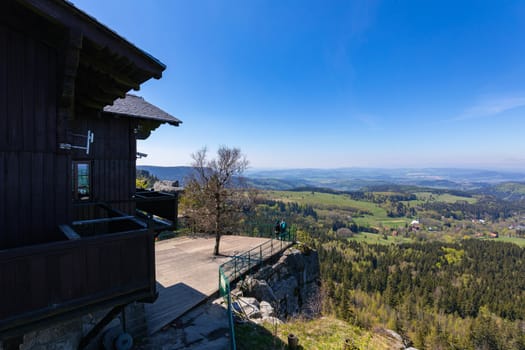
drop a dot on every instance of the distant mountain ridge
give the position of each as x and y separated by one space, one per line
171 173
353 179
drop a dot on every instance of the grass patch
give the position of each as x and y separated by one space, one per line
516 240
325 203
257 337
325 333
323 200
384 221
445 197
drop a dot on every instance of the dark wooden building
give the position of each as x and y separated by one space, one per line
70 241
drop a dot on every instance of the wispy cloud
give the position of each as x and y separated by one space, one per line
369 120
491 106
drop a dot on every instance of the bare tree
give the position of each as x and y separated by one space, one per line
213 194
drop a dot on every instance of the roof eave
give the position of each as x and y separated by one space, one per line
65 13
161 121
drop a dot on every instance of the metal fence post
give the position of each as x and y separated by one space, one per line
224 282
233 343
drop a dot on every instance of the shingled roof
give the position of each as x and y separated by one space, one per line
136 106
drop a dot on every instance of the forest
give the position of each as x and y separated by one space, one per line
445 286
466 295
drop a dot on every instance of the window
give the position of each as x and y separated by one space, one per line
81 180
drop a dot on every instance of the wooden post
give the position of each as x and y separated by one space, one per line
293 341
151 256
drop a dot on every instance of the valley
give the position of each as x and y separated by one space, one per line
442 267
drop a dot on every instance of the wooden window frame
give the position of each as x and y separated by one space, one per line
77 196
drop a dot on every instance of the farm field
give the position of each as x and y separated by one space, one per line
370 215
516 240
375 238
444 197
325 203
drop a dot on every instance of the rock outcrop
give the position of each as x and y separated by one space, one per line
288 288
167 186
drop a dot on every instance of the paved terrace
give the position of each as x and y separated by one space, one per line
187 274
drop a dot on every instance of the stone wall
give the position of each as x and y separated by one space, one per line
288 288
68 334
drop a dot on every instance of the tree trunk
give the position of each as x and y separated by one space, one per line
217 241
217 223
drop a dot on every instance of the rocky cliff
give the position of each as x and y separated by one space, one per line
288 288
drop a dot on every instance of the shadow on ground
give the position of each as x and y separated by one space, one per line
203 328
251 336
172 302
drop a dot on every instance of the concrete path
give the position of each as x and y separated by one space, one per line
187 274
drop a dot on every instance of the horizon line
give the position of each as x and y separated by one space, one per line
448 167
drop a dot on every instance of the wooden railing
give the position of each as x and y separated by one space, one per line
79 274
160 206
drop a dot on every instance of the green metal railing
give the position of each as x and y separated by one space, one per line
231 270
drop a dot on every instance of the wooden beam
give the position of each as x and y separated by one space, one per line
100 86
71 61
105 67
112 90
69 232
96 88
66 107
98 221
88 95
69 16
114 65
147 127
89 102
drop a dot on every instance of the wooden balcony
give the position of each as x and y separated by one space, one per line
99 264
161 207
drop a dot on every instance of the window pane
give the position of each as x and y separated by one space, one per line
83 180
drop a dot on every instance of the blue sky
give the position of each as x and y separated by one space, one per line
328 84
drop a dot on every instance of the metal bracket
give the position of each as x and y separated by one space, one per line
89 140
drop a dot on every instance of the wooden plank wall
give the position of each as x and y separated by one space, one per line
113 160
45 278
34 179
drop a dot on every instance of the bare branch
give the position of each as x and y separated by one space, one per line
213 199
